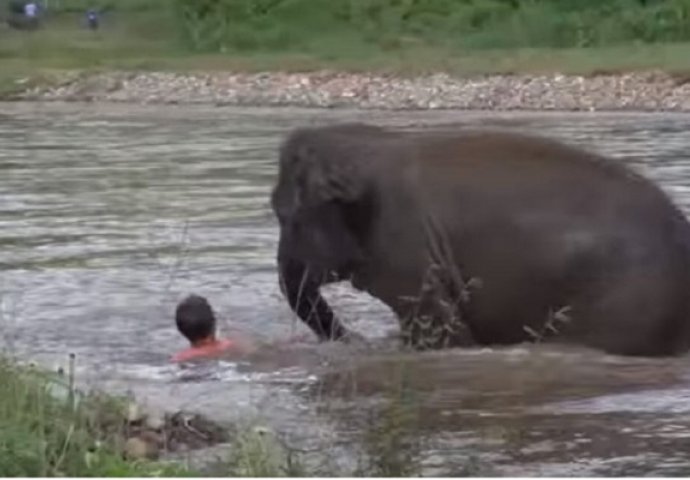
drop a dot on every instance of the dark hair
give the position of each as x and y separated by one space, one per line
195 319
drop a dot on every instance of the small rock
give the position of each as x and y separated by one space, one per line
137 449
153 438
155 420
262 431
134 413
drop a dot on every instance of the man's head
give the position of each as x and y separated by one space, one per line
195 319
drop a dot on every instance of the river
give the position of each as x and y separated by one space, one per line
109 214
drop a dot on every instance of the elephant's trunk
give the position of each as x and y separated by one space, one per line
301 287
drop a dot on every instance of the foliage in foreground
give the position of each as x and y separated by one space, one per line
46 431
47 428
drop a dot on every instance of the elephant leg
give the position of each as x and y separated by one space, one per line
301 288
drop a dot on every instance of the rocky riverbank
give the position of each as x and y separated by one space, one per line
642 91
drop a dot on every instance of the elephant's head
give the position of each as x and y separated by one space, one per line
325 201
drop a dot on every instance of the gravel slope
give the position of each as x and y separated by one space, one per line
644 91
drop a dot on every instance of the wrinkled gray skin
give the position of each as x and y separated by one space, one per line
482 238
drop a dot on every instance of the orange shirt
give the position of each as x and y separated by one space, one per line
210 349
213 348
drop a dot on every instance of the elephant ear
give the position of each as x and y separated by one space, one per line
328 174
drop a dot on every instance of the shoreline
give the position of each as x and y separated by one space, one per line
648 91
59 426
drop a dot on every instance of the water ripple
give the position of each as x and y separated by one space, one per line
109 214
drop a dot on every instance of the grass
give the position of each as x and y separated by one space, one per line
148 41
47 434
318 25
49 429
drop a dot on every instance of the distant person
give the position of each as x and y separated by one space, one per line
196 321
92 19
30 10
31 15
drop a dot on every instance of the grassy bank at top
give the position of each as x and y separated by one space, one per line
318 25
393 36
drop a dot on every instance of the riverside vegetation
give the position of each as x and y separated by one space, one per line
344 27
403 37
50 428
44 433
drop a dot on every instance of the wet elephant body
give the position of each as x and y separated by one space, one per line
482 237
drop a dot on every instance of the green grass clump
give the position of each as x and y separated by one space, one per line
44 432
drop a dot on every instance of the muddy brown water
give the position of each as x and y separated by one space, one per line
109 214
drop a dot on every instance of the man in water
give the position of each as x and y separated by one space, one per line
196 321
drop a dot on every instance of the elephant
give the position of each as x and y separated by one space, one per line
476 237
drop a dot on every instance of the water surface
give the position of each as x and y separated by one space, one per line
110 214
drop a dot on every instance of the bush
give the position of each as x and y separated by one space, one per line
44 431
213 25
